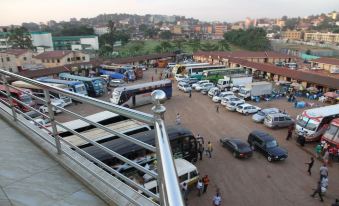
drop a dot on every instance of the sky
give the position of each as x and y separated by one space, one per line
18 11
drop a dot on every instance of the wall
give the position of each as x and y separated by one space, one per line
93 41
8 64
42 39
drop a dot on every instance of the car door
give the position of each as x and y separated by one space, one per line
230 146
282 122
288 121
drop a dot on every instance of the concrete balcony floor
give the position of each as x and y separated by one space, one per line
29 177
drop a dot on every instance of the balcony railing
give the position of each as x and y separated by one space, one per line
169 190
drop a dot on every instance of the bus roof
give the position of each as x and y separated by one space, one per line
147 84
97 117
97 134
3 88
322 111
206 66
80 78
57 81
225 69
183 166
122 146
22 84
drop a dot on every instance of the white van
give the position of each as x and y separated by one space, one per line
187 172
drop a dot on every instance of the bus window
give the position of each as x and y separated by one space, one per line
330 133
183 177
186 146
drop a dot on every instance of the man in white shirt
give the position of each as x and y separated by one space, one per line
217 200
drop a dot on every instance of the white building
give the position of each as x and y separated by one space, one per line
100 30
42 41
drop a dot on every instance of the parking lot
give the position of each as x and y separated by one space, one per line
253 181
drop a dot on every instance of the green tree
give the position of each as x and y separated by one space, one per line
136 47
223 45
165 35
151 32
252 39
194 44
179 43
164 46
19 38
208 46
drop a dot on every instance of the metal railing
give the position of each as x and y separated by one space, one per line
169 190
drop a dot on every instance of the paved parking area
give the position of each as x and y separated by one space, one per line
254 181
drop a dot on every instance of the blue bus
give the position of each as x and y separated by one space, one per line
112 74
140 94
74 86
126 70
95 86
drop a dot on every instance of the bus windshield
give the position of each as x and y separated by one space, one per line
307 123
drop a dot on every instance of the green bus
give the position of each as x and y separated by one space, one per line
215 74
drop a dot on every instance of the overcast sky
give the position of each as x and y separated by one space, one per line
18 11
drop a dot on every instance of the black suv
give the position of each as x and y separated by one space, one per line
267 145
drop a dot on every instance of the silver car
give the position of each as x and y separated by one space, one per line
260 116
278 120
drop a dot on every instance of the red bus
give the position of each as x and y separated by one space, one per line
17 94
331 136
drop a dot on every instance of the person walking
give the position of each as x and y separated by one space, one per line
184 189
323 171
318 191
318 150
209 149
310 165
217 108
217 199
289 132
201 150
178 119
152 78
206 181
200 187
190 93
326 157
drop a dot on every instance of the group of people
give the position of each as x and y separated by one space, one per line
201 147
326 152
322 184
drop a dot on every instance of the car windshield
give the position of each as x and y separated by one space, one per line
261 113
271 144
242 145
307 123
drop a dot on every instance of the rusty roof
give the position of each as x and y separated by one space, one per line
243 54
16 52
140 58
325 60
53 54
328 80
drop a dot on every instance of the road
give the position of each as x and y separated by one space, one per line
254 181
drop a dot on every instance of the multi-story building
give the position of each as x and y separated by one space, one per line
4 41
80 43
322 37
14 60
291 34
197 28
280 23
176 29
100 30
61 58
220 29
42 41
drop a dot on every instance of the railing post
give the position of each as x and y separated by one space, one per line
52 119
9 96
169 190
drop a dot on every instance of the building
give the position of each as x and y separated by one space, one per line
325 63
322 37
15 60
220 29
80 43
61 58
237 26
176 29
295 35
42 41
100 30
280 23
4 41
197 28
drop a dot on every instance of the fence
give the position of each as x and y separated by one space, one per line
169 190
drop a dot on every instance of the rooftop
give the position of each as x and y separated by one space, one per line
53 54
71 38
243 54
325 60
16 52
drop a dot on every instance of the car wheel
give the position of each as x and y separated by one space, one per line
269 158
234 154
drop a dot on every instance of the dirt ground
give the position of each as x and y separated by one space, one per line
248 182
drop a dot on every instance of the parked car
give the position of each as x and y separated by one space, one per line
201 86
232 106
213 91
239 148
230 98
267 145
206 87
179 77
217 98
278 120
260 116
189 80
247 109
237 88
184 87
199 83
117 83
55 102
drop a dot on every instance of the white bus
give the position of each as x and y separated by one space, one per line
312 123
128 127
179 68
38 91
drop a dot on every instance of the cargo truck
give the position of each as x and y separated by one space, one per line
234 80
256 89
